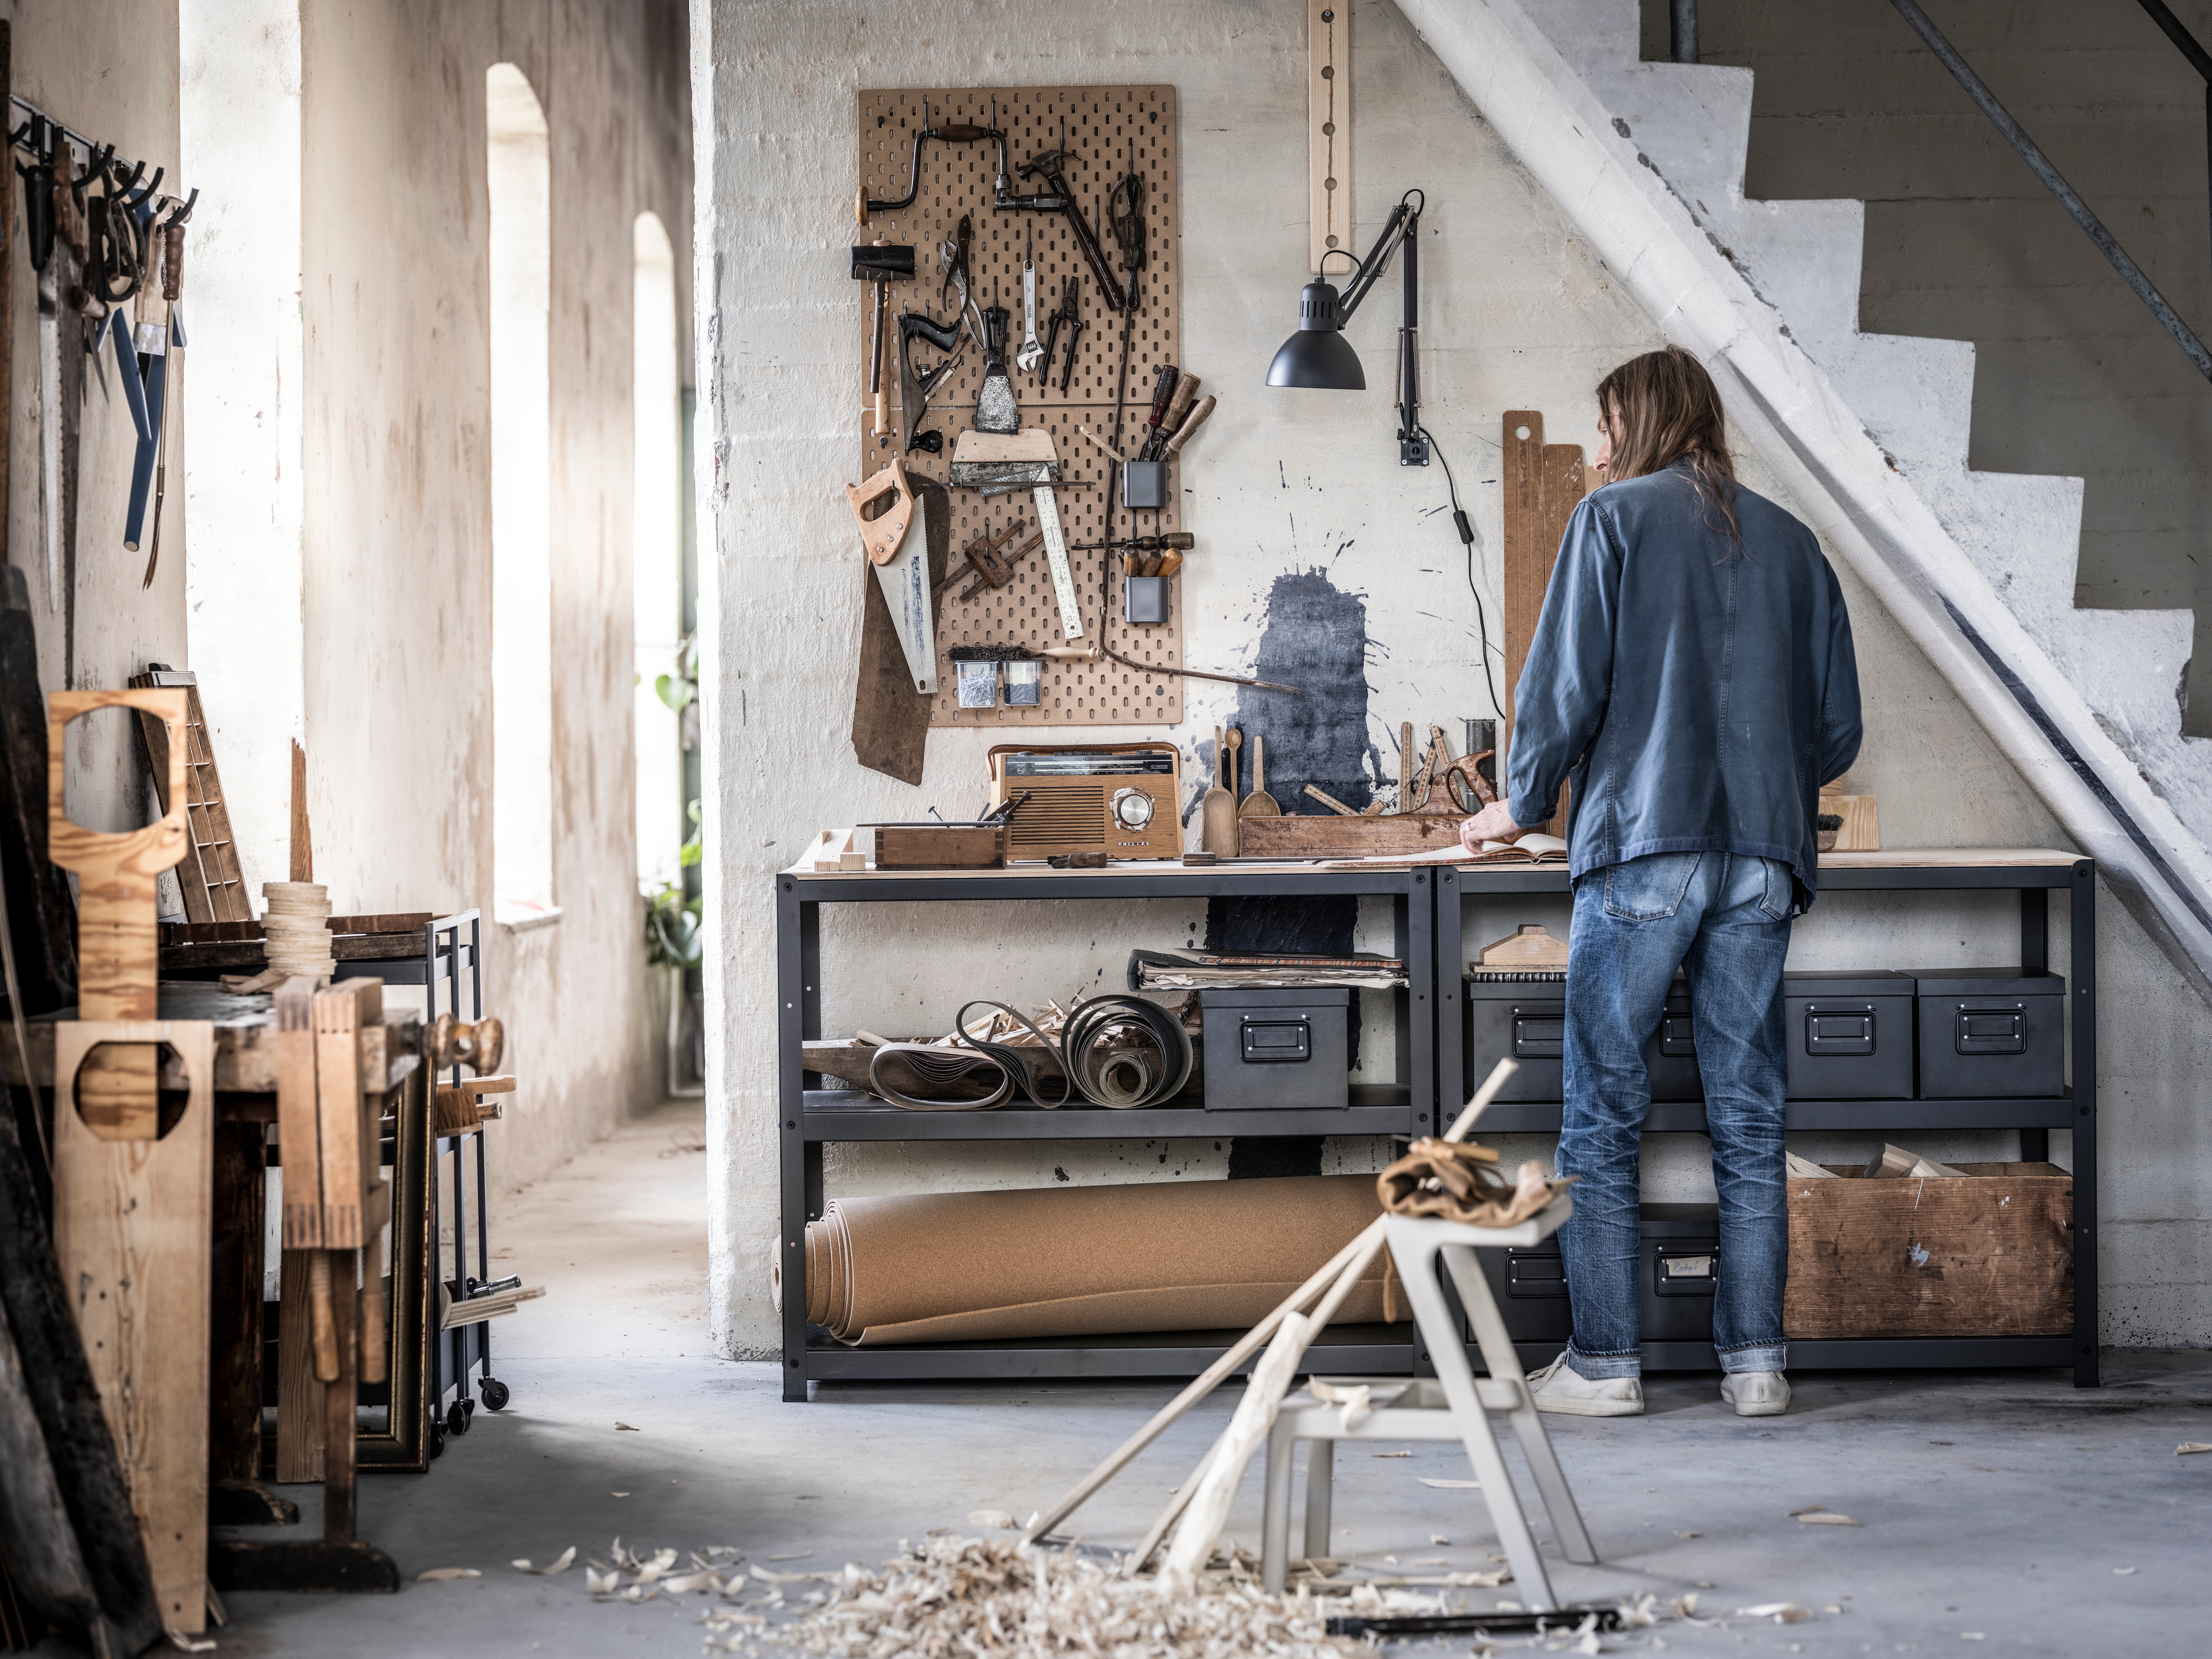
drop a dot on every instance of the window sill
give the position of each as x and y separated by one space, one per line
524 916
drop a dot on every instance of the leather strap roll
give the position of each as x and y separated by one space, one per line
1124 1077
1033 1067
922 1077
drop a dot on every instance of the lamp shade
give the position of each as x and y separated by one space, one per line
1318 356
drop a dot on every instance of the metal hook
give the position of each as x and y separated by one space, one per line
133 197
183 210
95 164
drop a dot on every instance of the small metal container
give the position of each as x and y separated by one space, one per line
1144 484
1145 599
978 684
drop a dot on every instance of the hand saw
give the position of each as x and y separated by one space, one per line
902 570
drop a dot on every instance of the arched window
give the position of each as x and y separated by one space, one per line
657 552
519 177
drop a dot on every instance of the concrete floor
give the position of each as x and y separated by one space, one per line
2047 1520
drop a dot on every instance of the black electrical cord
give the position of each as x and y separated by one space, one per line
1467 540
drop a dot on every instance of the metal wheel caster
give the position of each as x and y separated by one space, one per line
494 1392
456 1419
437 1438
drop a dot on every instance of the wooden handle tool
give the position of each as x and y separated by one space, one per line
1191 423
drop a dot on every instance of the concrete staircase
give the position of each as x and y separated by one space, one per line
1647 158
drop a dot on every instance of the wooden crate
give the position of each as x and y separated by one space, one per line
1989 1255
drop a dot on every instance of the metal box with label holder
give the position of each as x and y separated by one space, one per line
1987 1033
1524 1015
1278 1050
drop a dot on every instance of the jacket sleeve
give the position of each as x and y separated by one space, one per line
1840 727
1560 701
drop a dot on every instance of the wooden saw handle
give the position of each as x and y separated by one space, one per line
881 535
117 934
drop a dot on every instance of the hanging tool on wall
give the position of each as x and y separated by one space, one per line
1168 424
1031 352
1191 423
1163 385
159 327
1056 197
882 264
916 390
1067 317
996 409
901 569
172 292
960 132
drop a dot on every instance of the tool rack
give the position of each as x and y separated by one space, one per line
809 1117
2034 874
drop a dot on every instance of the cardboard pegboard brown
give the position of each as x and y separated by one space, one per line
1108 129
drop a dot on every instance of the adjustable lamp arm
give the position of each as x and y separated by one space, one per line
1401 226
1403 229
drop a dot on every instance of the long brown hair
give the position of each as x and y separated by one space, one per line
1669 411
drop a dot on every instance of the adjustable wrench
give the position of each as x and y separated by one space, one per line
1028 357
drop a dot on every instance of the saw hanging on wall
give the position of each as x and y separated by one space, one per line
901 571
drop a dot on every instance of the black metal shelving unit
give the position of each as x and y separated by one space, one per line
809 1118
2034 876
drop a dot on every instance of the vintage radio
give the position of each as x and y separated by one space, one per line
1124 799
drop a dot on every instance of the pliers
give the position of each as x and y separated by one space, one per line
955 264
1067 315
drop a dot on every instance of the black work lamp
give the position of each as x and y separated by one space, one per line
1319 356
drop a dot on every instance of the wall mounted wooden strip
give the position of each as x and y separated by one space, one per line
1543 484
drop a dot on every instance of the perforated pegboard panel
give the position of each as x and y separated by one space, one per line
1108 129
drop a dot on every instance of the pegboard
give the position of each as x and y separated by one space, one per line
1108 129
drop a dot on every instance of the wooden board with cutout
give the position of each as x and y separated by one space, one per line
131 1231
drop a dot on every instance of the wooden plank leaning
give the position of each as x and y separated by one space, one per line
1362 1247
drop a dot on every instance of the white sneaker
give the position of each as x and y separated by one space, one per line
1756 1394
1559 1388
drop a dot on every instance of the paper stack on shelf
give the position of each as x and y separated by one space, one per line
1180 970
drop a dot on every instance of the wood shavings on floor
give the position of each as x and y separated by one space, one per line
948 1597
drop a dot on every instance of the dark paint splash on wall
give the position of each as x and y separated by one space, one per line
1315 639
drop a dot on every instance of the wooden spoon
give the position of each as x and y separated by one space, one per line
1217 809
1237 763
1259 804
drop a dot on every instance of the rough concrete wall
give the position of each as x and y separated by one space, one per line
398 692
2073 375
1283 485
108 70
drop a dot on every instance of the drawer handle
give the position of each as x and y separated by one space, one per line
1833 1031
2001 1029
1538 1036
1277 1041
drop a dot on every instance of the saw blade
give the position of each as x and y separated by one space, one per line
1055 553
905 581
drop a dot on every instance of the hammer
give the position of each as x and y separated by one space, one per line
882 264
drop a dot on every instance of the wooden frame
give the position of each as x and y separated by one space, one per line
403 1444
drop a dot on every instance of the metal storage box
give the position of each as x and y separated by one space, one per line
1526 1017
1988 1032
1679 1270
1849 1034
1274 1050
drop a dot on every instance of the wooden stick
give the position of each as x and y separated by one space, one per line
1224 1472
1170 1515
1246 1346
1330 802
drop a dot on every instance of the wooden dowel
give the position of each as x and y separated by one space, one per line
1249 1343
1170 1515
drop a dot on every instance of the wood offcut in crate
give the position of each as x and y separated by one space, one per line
1107 129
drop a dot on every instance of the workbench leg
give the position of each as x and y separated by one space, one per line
2035 958
340 1419
236 1497
1417 1032
795 998
1450 995
2082 993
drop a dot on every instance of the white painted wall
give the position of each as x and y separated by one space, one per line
1518 313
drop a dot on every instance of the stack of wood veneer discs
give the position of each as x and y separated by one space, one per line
296 927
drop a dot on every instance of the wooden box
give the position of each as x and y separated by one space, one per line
1333 835
940 845
1991 1254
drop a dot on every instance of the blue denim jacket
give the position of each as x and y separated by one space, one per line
1696 694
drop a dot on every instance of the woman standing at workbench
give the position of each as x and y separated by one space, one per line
1693 674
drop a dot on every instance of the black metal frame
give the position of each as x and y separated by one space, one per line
445 954
2034 1118
807 1118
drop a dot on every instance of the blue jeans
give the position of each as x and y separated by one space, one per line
1724 918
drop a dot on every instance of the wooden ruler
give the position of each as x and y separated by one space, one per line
213 887
1544 483
1055 553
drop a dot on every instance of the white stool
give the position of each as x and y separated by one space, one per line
1454 1405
